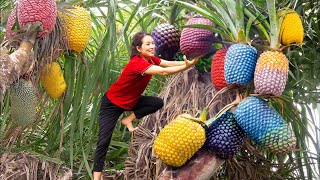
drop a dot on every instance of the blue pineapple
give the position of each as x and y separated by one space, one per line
264 125
240 64
225 137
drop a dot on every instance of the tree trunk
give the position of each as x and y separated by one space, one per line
14 65
202 166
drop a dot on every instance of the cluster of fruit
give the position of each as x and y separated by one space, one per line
234 66
77 24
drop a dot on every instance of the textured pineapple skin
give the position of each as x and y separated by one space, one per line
291 29
271 74
45 11
217 69
53 81
10 22
167 41
78 28
225 137
179 141
264 125
196 41
23 102
240 64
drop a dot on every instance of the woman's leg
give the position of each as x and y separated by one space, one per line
108 117
146 105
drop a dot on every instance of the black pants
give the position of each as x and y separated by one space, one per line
108 117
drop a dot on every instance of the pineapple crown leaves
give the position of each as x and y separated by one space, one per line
276 18
200 119
222 13
274 26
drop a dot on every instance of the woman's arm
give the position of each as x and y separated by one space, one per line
163 71
165 63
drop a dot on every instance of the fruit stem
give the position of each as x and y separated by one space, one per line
274 30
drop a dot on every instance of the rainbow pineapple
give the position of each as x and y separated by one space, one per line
264 125
271 72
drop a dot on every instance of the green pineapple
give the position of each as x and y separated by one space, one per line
23 102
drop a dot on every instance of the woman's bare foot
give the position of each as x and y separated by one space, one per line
127 121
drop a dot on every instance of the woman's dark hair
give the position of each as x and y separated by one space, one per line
137 41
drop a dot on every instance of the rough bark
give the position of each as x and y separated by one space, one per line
12 66
200 167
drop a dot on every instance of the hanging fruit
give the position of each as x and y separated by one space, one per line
53 81
23 102
31 11
217 69
195 41
179 140
240 64
271 73
167 41
225 137
78 27
264 125
291 28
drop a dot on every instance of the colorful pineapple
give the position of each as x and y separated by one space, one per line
217 69
53 81
271 73
30 11
23 102
167 41
225 137
240 64
291 28
78 28
264 125
10 22
179 140
196 41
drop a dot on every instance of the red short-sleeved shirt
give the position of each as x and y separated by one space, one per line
127 90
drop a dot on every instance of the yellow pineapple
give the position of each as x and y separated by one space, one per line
179 140
78 28
53 81
291 29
